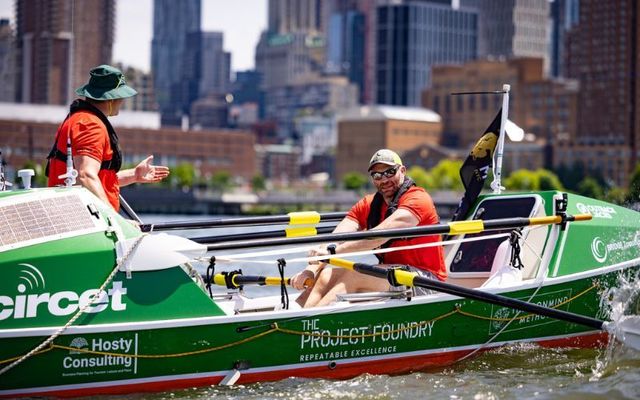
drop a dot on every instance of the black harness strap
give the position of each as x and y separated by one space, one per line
284 295
116 160
373 219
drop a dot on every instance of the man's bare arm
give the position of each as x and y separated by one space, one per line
88 169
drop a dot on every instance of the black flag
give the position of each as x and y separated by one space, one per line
475 168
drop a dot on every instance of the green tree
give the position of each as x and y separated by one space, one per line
420 176
39 180
591 188
616 195
446 175
354 180
522 179
221 181
183 175
633 194
540 179
258 183
570 176
548 180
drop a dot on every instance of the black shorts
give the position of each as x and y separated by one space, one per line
417 291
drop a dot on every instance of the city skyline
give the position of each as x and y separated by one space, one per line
134 20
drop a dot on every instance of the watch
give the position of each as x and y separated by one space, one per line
331 248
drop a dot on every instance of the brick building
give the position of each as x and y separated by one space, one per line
208 150
541 106
58 42
604 56
363 130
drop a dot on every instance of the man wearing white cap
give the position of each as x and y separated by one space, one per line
398 203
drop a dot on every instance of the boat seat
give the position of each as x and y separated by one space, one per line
503 274
374 296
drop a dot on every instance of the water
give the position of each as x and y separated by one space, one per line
511 372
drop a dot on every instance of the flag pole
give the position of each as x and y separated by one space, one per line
496 185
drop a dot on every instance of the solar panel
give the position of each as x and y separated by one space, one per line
36 219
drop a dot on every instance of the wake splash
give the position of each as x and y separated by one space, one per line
622 305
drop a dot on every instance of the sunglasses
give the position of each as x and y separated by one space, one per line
387 173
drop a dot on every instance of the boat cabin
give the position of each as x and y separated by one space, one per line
483 258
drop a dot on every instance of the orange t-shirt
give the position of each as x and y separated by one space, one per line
418 202
89 137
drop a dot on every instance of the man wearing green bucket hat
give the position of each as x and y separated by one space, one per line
94 143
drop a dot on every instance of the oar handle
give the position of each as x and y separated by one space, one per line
281 233
451 228
582 217
557 219
234 280
294 218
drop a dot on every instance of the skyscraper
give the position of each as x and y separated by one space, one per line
7 62
58 42
346 43
172 22
216 64
411 37
604 56
513 28
295 16
564 15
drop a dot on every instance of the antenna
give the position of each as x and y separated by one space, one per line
71 174
4 184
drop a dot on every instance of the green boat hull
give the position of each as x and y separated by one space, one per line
157 329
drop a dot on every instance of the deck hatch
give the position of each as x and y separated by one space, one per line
477 257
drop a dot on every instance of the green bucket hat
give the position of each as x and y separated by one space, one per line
106 83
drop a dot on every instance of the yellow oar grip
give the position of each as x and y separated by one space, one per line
218 279
342 263
554 219
460 227
303 218
272 280
300 231
404 277
583 217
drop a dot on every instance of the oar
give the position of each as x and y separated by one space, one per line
452 228
629 333
129 211
294 218
281 233
235 279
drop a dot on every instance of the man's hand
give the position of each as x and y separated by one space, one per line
302 279
318 251
145 172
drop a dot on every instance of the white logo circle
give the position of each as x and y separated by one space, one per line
599 250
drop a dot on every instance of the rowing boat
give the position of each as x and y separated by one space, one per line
90 304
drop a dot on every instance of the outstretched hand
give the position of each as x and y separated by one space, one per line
146 172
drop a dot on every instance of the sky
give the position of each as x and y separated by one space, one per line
240 20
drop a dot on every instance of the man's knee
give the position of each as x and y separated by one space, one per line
329 277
